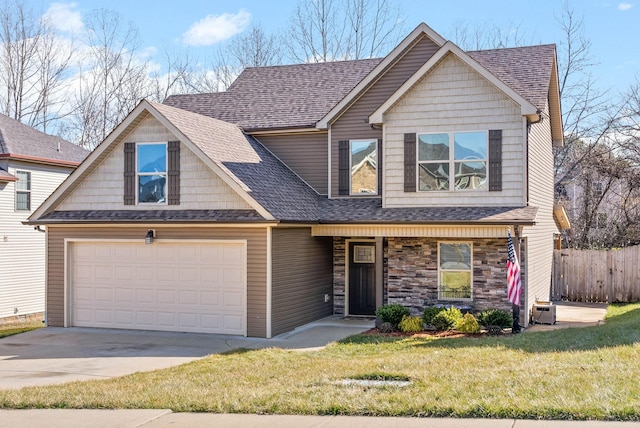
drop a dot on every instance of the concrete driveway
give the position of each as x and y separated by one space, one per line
54 355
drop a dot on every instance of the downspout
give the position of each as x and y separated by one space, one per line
527 130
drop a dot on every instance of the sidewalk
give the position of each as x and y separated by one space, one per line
165 418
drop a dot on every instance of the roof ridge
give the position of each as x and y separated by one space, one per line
511 48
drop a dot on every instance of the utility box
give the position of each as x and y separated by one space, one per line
543 313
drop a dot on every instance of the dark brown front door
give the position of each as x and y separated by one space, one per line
362 278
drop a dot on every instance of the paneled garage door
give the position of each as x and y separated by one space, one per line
191 287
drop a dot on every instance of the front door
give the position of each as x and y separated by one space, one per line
362 278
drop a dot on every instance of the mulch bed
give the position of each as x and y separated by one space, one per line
449 334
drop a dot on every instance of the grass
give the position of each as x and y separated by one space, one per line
586 373
19 327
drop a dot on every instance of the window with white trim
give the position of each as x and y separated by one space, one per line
151 172
363 155
455 271
458 155
23 191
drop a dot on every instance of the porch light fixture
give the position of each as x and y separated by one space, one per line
148 239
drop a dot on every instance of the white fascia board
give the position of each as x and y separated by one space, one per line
526 108
375 73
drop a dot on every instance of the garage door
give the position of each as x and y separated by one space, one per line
191 287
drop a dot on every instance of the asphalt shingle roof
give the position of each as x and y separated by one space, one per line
295 96
170 216
285 96
17 138
6 176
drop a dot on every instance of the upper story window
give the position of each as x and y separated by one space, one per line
364 167
23 191
454 271
452 161
151 171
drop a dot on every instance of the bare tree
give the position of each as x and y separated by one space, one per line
32 66
326 30
255 48
481 36
113 79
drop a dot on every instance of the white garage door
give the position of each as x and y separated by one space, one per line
191 287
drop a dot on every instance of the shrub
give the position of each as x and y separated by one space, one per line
410 324
386 327
497 317
430 312
392 313
447 319
468 324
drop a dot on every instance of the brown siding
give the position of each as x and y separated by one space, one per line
256 263
305 154
301 276
353 122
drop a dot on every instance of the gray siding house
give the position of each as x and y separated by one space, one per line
315 189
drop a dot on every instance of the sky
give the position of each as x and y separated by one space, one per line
612 27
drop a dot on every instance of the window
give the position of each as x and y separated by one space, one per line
23 191
364 167
151 170
454 270
461 154
364 254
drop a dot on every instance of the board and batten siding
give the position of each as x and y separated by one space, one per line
305 154
541 194
353 123
302 274
200 187
453 97
22 248
256 263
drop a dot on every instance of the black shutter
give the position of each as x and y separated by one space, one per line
129 173
173 173
379 165
343 168
409 162
495 160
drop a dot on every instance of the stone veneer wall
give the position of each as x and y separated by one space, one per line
339 282
413 273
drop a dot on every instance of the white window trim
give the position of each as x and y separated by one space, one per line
469 299
451 161
371 140
146 174
28 191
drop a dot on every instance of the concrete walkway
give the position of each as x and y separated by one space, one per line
165 418
574 315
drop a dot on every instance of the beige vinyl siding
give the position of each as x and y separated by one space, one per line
352 124
305 154
541 194
451 98
302 274
22 248
256 263
200 187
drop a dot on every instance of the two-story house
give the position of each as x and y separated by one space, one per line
32 165
315 189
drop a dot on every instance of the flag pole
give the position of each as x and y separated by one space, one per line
515 308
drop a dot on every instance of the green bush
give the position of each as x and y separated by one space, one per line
497 317
447 319
410 324
392 313
430 312
468 324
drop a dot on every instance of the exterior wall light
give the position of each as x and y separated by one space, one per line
148 239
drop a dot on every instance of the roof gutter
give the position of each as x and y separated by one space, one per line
34 159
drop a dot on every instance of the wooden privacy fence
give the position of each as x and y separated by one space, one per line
596 275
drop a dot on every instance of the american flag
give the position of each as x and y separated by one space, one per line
514 285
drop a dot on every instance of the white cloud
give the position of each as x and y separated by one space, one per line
63 17
216 28
624 6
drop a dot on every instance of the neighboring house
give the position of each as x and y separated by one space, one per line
260 208
32 165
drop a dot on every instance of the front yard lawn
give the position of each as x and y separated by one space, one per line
585 373
10 329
